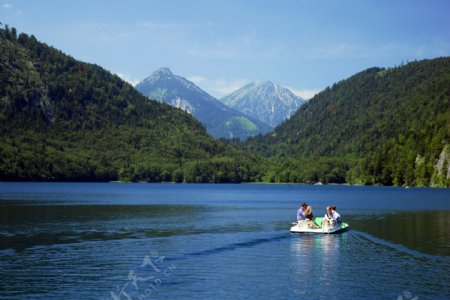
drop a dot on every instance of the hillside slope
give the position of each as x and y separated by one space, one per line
380 126
61 119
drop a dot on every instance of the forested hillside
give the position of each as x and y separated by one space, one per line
380 126
62 119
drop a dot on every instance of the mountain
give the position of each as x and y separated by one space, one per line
65 120
220 120
267 102
380 126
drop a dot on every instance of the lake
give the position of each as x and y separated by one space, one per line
183 241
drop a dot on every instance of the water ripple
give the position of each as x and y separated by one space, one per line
400 248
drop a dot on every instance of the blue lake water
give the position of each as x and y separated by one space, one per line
168 241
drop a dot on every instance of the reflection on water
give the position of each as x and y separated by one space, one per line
325 244
25 226
22 227
360 266
426 232
317 256
226 242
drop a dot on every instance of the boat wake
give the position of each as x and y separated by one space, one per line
399 248
235 246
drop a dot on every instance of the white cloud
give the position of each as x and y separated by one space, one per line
7 5
175 25
218 87
223 87
116 37
218 53
197 79
396 50
241 46
341 50
304 93
153 25
128 79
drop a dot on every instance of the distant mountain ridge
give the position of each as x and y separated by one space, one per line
220 120
166 91
266 101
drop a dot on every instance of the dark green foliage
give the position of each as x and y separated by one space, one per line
61 119
309 170
390 125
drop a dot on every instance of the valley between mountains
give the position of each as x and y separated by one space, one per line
65 120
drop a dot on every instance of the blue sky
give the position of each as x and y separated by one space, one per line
222 45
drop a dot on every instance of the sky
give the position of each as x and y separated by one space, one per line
221 45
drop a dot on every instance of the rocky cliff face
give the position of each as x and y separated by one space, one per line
441 175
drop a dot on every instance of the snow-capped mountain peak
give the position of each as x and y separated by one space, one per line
164 86
266 101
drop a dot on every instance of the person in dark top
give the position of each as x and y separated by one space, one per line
307 214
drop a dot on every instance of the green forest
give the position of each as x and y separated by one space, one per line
66 120
378 127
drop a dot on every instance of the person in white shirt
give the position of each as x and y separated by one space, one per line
332 217
336 215
328 220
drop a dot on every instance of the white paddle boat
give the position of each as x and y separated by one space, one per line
304 226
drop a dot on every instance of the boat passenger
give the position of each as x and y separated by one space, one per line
307 211
336 215
329 213
328 219
301 214
308 215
